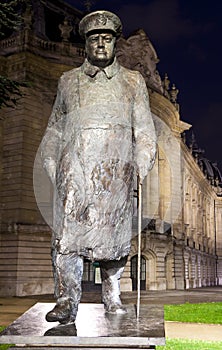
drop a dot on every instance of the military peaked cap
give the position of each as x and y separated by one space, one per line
100 20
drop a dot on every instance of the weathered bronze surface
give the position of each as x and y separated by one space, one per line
99 135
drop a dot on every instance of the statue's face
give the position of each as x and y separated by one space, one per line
100 49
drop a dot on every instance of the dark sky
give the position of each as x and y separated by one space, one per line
187 36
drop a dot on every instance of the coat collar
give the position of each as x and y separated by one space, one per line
110 70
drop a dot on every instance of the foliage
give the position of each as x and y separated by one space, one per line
4 346
182 344
10 90
196 313
9 18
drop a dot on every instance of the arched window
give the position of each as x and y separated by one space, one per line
134 263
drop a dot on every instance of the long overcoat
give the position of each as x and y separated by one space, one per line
100 132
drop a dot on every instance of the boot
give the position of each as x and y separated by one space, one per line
111 272
68 269
61 313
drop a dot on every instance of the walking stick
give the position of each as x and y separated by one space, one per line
139 245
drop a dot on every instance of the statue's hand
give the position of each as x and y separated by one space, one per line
144 165
50 166
142 173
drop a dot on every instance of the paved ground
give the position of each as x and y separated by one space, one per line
12 308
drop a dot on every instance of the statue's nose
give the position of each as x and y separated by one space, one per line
101 41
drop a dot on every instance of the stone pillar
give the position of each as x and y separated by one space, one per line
192 277
198 271
179 267
161 270
25 238
219 271
170 271
186 270
25 261
204 266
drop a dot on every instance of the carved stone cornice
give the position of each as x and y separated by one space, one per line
166 111
196 175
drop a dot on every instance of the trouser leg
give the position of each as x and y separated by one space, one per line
68 270
111 272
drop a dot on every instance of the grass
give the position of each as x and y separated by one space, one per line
4 346
182 344
195 313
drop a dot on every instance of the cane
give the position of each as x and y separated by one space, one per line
139 245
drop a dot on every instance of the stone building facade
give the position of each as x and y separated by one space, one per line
182 205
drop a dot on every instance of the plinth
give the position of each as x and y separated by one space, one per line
93 329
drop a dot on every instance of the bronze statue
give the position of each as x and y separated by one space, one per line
100 133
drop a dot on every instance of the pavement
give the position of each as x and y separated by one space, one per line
13 307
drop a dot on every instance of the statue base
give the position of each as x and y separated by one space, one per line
93 329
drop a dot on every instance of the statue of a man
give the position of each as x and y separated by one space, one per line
100 133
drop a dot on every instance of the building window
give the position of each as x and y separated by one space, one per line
91 276
88 271
134 263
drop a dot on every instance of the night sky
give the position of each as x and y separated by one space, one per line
187 36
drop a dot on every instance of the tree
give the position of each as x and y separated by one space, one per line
10 91
10 20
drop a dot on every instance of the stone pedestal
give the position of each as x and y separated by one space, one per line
93 329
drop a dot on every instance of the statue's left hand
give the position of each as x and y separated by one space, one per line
50 166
